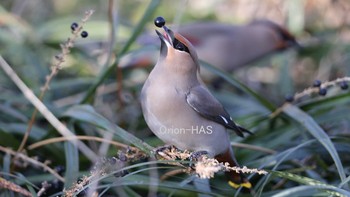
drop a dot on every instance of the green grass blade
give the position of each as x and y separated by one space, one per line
72 163
31 190
347 180
308 190
339 99
86 113
239 85
315 130
138 29
6 167
297 178
145 19
277 160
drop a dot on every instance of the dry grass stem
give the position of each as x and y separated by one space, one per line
79 137
103 167
253 147
314 90
204 167
44 187
308 92
172 173
65 50
32 161
207 167
78 186
56 66
48 115
14 187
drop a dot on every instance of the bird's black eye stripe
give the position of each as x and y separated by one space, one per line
180 46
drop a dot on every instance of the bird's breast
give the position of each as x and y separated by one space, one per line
173 121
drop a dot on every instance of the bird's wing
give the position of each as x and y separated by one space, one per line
204 103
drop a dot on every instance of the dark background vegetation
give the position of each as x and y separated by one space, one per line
307 143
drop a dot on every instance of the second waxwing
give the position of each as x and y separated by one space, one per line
230 47
225 46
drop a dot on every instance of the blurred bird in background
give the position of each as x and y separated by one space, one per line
228 47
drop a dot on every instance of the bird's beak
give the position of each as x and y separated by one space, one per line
166 39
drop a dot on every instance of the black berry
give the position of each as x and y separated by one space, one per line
317 83
74 26
84 34
289 98
159 21
322 91
344 85
59 169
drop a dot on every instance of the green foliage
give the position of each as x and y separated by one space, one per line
305 145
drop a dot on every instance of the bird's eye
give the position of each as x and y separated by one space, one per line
180 46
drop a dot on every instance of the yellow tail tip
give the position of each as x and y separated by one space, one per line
245 184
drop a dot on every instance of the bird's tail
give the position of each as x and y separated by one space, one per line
235 179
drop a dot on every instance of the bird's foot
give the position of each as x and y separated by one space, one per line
197 155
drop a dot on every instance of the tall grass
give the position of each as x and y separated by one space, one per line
303 144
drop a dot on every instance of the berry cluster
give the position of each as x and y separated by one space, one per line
321 91
74 26
320 88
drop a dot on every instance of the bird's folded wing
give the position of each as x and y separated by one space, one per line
204 103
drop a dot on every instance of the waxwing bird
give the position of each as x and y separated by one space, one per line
230 47
180 110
